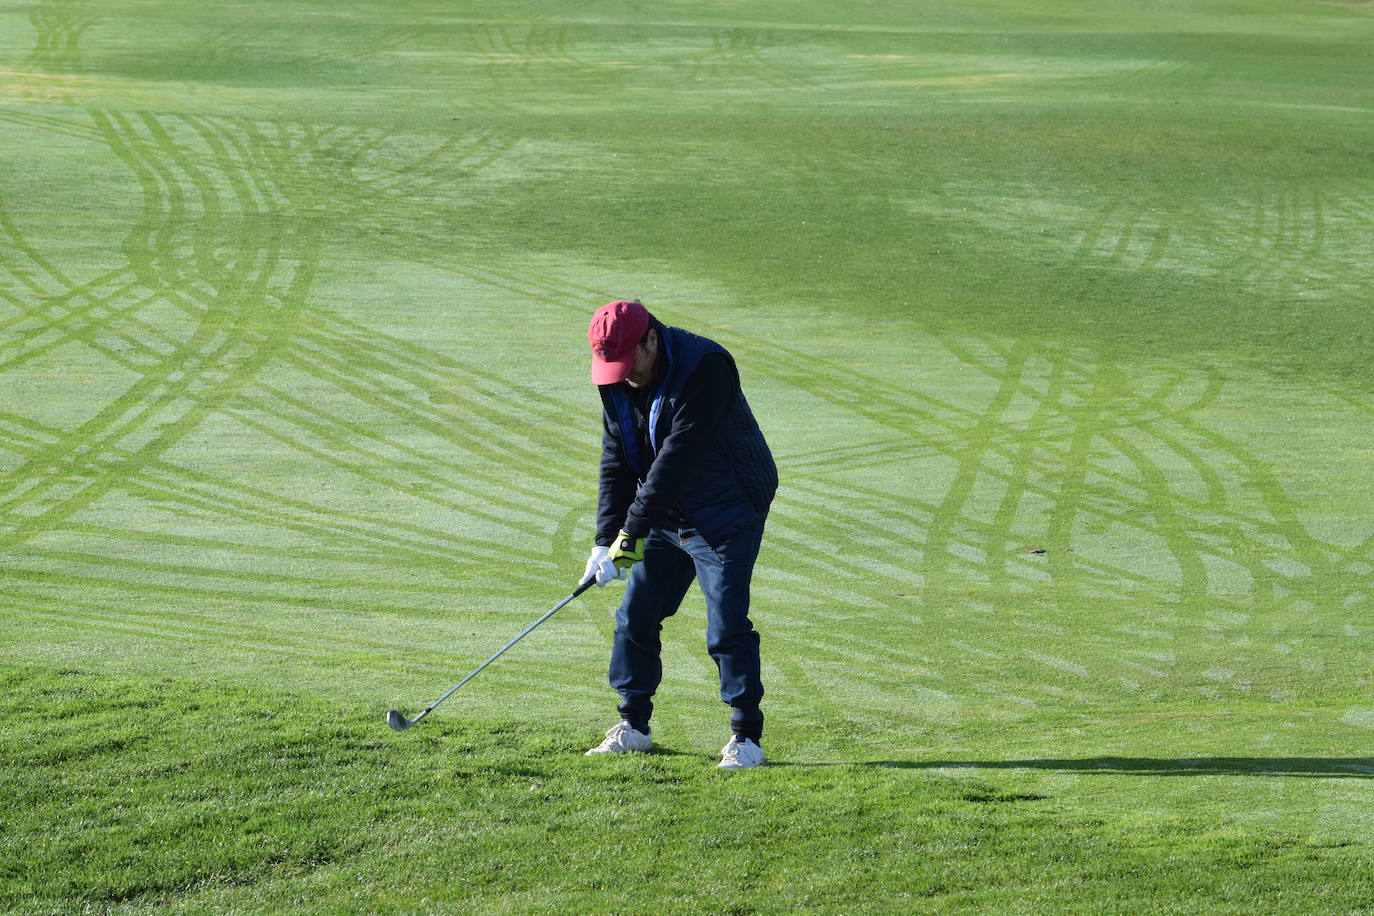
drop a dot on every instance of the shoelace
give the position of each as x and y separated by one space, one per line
732 753
615 738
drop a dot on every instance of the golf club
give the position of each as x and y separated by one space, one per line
401 723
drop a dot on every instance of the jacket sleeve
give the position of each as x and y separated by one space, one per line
706 398
618 484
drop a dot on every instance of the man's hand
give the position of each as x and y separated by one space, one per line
627 551
600 568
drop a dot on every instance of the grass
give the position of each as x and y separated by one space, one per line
1056 315
160 793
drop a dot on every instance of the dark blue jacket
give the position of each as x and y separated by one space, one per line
687 451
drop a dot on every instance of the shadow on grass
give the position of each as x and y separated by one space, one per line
1301 767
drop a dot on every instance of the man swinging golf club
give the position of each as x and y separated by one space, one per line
686 482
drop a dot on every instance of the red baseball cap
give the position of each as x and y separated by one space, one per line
614 333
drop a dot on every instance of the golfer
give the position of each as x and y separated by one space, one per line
686 482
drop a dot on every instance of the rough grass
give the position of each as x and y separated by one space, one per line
161 794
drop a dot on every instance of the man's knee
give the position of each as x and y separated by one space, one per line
732 640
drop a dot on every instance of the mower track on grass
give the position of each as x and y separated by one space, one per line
1061 452
949 519
183 322
1113 466
1281 236
179 381
60 26
223 202
1079 447
524 54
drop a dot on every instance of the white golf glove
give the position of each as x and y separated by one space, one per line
600 567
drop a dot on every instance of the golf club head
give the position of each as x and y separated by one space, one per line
398 721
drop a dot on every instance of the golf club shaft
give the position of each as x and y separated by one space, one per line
557 607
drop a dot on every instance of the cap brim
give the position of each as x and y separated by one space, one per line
611 371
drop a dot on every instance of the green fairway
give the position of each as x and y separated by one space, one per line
1057 316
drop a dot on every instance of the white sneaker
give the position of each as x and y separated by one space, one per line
622 738
740 754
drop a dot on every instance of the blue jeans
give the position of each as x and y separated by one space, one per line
657 584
